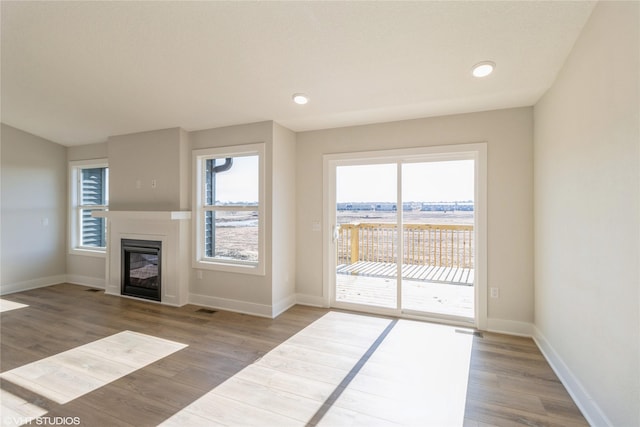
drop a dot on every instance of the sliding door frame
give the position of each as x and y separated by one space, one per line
473 151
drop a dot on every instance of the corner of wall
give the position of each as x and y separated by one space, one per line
510 327
228 304
92 282
311 300
185 170
283 305
589 407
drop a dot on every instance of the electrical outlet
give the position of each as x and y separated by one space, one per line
154 183
495 293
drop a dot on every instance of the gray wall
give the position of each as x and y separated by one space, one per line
587 197
509 137
34 211
136 160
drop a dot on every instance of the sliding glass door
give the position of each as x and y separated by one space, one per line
403 234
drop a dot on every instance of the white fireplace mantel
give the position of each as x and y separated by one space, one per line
172 228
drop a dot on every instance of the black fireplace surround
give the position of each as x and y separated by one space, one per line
141 273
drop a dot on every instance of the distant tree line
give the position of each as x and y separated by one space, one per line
408 206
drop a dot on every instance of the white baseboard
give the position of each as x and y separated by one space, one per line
93 282
283 305
311 300
585 402
262 310
510 327
10 288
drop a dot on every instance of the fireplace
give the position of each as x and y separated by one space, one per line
141 272
169 231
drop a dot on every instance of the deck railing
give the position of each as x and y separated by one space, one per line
424 244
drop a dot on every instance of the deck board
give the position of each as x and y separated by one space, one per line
428 273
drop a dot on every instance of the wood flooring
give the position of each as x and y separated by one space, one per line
309 366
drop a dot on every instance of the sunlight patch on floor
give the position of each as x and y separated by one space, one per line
73 373
418 376
343 370
16 411
6 305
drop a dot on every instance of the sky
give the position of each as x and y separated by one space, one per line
240 183
440 181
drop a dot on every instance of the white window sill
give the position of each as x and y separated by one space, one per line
97 253
230 267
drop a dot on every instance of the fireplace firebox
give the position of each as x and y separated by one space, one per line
141 272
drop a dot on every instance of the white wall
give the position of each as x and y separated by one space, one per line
587 231
508 134
34 211
284 218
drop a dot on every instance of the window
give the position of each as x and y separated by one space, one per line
229 194
89 192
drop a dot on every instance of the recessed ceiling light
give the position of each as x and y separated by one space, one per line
483 69
300 98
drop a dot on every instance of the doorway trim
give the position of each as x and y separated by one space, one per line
475 151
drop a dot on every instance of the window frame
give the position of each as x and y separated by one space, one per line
75 246
200 261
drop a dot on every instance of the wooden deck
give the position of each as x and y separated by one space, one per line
427 297
427 273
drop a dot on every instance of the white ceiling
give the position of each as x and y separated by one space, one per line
78 72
